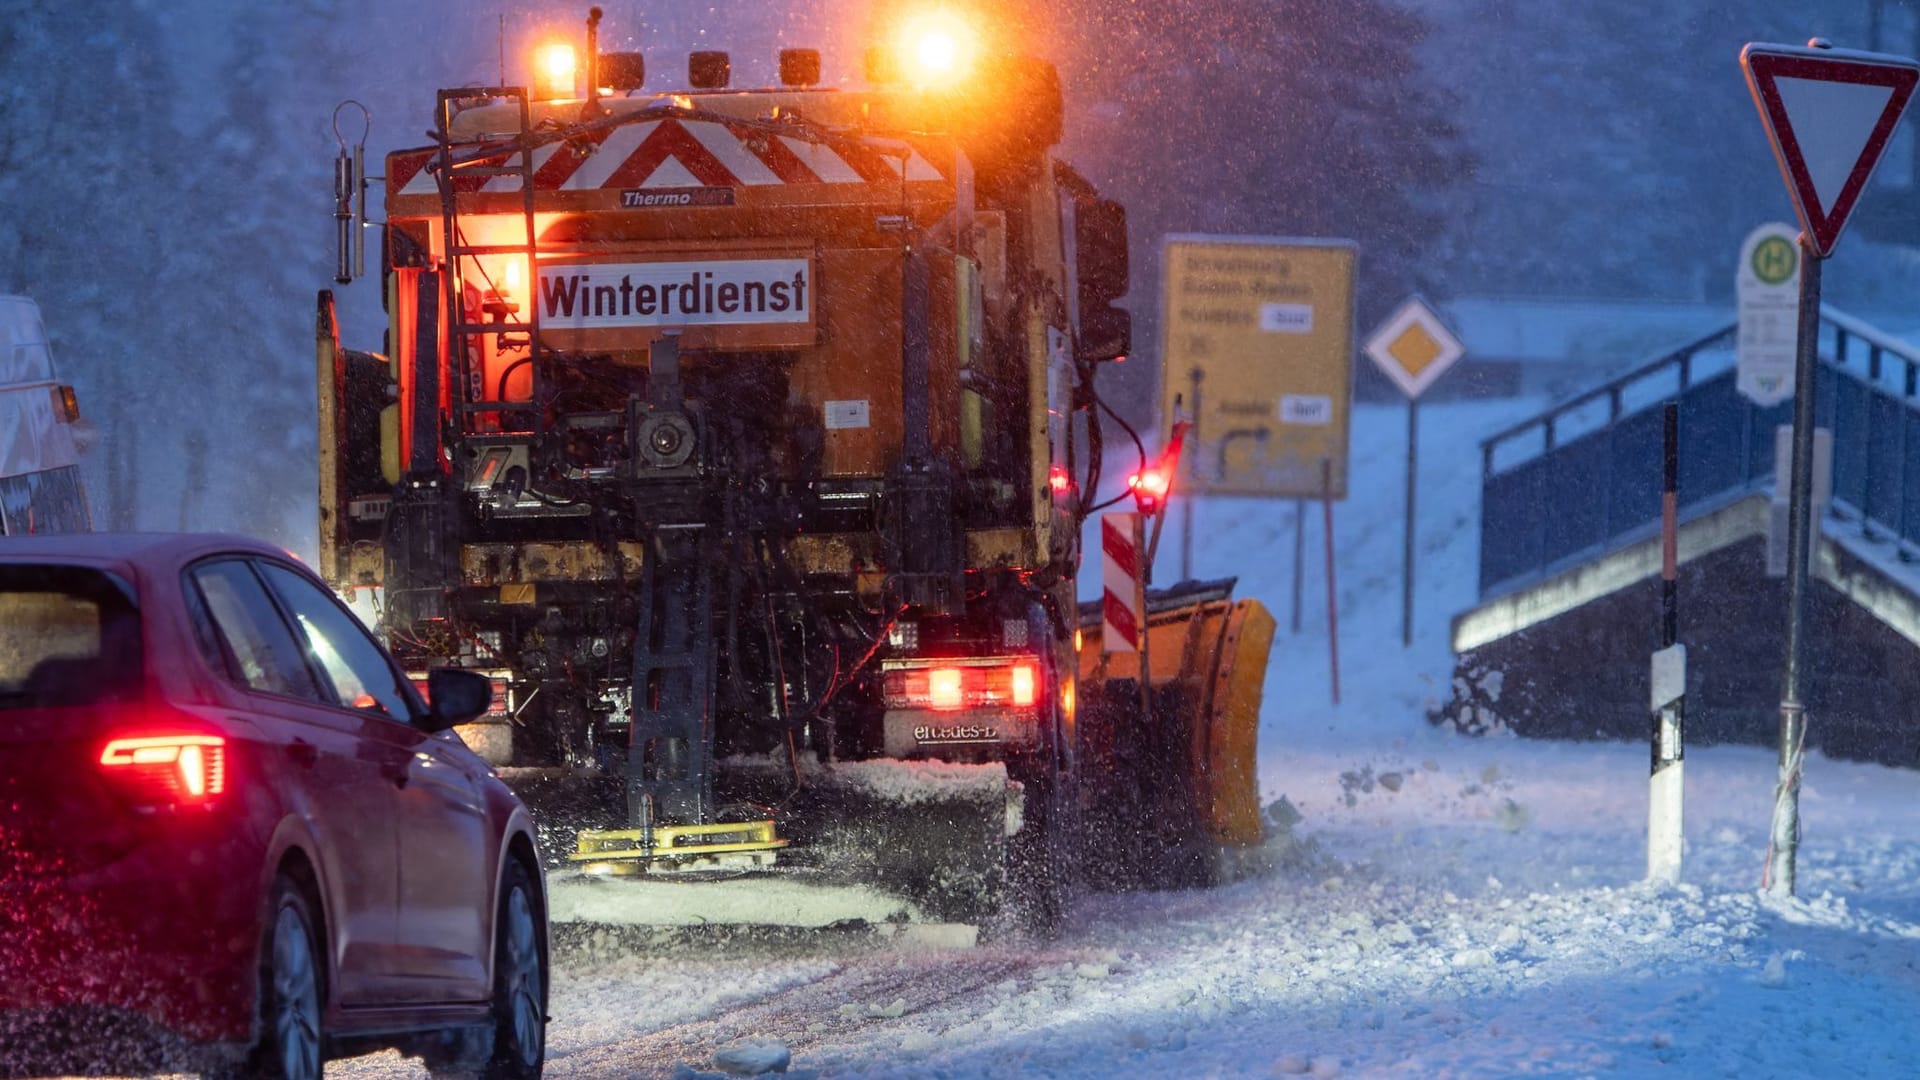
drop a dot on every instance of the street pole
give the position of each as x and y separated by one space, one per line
1299 556
1666 780
1186 505
1784 837
1142 571
1406 574
1333 602
1186 540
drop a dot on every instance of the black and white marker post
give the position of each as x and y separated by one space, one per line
1665 802
1829 114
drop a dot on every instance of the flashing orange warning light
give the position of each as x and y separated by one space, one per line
937 48
513 282
554 68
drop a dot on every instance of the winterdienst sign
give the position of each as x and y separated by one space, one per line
717 293
1829 114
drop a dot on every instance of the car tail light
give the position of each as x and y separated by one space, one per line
168 770
968 685
66 405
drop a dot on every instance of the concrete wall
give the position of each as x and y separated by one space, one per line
1582 674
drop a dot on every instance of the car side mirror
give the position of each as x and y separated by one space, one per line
455 697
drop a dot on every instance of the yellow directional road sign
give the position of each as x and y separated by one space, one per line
1260 331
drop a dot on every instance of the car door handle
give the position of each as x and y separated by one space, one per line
303 753
399 774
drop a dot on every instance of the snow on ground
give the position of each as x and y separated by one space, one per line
1449 907
742 900
1440 905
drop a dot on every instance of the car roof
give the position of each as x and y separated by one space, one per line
150 551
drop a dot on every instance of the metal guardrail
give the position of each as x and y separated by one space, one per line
1584 476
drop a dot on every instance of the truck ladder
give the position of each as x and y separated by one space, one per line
462 258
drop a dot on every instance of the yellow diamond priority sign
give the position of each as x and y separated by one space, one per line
1413 347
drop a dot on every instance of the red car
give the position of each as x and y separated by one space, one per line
233 838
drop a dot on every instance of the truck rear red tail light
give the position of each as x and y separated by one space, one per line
1023 684
168 770
501 705
945 688
968 685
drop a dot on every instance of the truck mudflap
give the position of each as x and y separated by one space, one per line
1170 795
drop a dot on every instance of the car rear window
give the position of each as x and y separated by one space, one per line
68 636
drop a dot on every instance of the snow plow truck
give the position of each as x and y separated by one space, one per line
744 438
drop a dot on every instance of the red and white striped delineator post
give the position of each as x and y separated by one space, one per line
1123 603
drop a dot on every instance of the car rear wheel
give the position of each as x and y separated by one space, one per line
288 1045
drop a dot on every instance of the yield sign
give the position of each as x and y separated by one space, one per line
1829 114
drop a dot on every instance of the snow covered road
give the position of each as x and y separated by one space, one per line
1447 907
1444 906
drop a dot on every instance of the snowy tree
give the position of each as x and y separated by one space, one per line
1620 152
173 239
1245 116
266 183
91 185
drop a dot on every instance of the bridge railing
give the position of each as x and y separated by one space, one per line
1584 476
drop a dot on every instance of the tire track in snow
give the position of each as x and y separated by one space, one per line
834 1010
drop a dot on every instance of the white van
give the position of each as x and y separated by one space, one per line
40 489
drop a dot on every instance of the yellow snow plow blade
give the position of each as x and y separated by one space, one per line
1185 774
677 847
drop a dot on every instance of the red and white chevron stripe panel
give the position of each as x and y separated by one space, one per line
673 153
1123 615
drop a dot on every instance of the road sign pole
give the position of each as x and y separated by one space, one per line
1412 348
1784 837
1143 567
1186 539
1299 556
1413 469
1186 505
1333 595
1829 116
